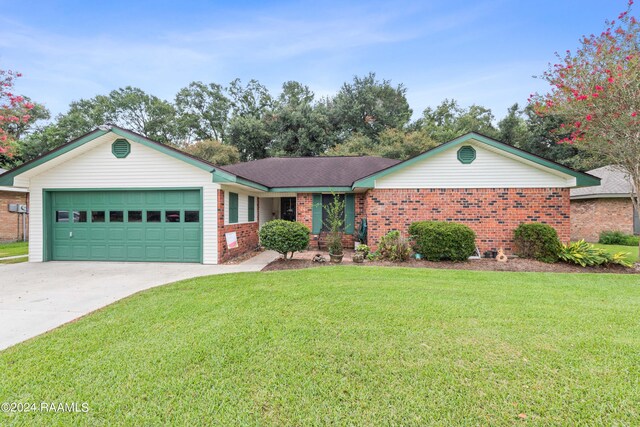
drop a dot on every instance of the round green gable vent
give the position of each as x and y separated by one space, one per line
466 154
121 148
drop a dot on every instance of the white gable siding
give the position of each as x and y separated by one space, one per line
243 206
490 169
144 167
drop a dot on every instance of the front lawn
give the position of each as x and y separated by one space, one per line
13 249
632 250
345 345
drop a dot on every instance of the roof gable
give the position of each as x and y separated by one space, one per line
582 179
8 177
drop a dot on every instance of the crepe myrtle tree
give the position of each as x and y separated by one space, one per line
14 110
596 90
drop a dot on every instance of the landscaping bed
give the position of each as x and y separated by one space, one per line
303 260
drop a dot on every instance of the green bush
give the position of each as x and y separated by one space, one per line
393 247
585 254
618 238
537 241
364 249
436 240
284 236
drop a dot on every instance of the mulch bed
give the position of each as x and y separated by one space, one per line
239 259
516 264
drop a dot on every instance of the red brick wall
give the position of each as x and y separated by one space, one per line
246 233
11 222
591 216
304 215
492 213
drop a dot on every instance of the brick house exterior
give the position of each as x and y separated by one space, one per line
11 222
186 205
607 207
590 217
493 213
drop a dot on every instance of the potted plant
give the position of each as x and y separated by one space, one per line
335 224
361 252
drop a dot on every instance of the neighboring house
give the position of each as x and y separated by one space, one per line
12 224
604 208
115 195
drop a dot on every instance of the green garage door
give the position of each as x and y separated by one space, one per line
137 225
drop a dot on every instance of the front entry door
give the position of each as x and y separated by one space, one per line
288 208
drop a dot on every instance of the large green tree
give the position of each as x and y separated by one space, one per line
299 126
368 106
214 151
392 143
203 111
449 120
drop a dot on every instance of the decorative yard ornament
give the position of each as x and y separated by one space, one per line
501 257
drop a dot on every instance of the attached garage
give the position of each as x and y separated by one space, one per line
114 195
124 225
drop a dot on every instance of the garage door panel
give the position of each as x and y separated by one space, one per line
173 235
173 253
97 234
192 235
79 251
116 234
135 234
137 240
191 252
80 233
98 252
154 234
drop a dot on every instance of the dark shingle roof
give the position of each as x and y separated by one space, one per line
309 171
614 181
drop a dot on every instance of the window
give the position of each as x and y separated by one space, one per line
97 216
319 212
79 216
172 216
327 199
191 216
62 216
134 216
233 208
116 216
154 216
252 209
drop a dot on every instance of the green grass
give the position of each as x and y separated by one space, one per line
632 250
13 249
345 345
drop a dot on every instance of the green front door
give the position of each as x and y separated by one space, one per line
122 225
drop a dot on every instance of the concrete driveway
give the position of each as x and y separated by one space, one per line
37 297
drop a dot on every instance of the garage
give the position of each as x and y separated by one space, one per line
124 225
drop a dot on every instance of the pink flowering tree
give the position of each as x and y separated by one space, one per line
596 91
14 110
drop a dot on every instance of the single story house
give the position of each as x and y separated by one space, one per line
115 195
607 207
13 224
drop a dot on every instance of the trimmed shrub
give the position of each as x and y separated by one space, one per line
537 241
437 240
284 236
393 247
618 238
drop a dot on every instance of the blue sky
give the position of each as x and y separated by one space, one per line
482 52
